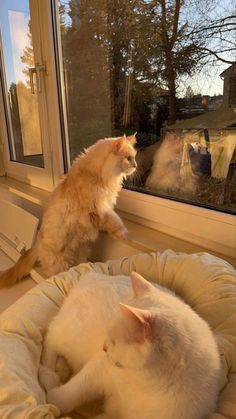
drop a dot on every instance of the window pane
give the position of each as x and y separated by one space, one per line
145 66
22 105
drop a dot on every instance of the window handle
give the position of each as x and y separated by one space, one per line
37 71
32 70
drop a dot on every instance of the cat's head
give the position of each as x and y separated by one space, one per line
124 153
130 337
154 330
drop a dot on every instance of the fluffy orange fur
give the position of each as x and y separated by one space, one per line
80 206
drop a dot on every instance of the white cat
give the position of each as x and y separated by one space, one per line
159 358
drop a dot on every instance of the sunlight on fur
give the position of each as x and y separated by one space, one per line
135 345
80 206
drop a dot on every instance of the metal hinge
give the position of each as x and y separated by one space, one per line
16 243
37 70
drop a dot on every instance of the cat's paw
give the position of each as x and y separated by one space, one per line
63 370
48 378
55 396
122 234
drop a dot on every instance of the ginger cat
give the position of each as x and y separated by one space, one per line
80 206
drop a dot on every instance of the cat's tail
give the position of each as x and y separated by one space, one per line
20 270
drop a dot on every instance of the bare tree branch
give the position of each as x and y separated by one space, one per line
175 23
217 56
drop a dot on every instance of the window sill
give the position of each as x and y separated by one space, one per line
147 234
209 230
24 191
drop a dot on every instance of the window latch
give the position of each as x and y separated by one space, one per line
37 70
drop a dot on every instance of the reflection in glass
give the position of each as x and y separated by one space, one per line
18 57
117 79
196 166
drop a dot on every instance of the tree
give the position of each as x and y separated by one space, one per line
122 55
189 92
28 56
188 41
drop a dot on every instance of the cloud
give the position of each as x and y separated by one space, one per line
18 23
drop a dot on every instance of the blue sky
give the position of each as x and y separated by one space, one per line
206 82
14 18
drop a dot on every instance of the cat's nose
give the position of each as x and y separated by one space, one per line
105 346
135 164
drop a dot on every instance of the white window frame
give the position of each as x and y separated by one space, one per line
211 230
47 177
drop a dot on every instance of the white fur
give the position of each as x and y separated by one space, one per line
160 359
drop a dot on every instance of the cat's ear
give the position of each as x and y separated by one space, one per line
118 144
132 139
139 284
141 321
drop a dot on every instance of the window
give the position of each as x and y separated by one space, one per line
28 122
148 67
74 71
25 144
232 90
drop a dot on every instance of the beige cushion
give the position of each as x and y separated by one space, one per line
207 283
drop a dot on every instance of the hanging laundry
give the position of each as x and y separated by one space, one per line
222 148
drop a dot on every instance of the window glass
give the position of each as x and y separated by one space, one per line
163 69
18 78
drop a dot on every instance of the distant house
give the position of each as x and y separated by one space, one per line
225 115
230 76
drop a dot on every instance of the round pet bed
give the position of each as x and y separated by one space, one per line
205 282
